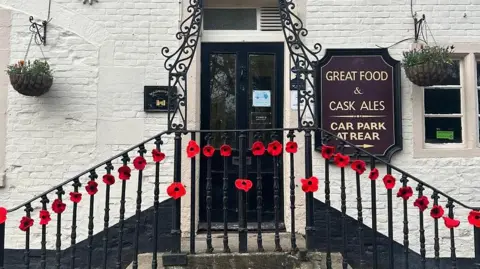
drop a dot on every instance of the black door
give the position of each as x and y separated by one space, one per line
242 88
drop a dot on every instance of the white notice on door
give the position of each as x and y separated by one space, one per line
261 99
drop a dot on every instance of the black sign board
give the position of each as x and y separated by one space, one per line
156 98
358 100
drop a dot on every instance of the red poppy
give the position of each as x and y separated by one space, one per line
124 172
309 184
91 187
373 174
108 179
421 203
451 223
44 217
474 218
405 192
176 190
75 197
208 151
25 223
258 149
243 184
291 147
389 181
157 155
437 212
58 206
327 151
341 160
274 148
359 166
225 150
139 163
3 215
192 149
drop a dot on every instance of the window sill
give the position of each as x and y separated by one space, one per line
460 151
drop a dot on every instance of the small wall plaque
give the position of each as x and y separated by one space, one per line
156 98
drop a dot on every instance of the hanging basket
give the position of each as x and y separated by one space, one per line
31 85
427 74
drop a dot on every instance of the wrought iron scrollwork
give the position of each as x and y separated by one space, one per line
178 64
303 60
40 31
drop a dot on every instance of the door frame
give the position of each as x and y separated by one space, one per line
240 47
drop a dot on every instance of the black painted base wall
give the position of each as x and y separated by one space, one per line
382 244
14 258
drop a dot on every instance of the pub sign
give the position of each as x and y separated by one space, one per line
358 100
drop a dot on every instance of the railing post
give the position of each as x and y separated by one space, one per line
242 207
476 234
310 221
2 245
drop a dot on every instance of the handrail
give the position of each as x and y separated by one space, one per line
358 149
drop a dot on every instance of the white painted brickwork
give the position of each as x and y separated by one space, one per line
104 54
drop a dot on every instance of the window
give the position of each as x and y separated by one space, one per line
442 106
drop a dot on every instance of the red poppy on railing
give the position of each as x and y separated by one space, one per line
437 211
108 179
91 187
373 174
44 217
25 223
309 184
208 151
274 148
327 151
176 190
3 215
421 203
389 181
139 163
124 172
157 155
192 149
58 206
474 218
405 192
359 166
75 197
291 147
258 149
451 223
225 150
243 184
341 160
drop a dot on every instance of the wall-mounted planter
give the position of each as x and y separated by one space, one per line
31 85
427 74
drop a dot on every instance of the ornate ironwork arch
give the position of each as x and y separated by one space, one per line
178 63
303 61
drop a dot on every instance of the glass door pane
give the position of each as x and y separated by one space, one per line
222 95
261 93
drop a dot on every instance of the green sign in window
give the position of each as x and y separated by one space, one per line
448 135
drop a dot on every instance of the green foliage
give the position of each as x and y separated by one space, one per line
36 68
428 54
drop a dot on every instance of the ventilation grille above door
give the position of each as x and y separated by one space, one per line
270 19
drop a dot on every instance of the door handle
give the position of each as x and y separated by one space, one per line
243 77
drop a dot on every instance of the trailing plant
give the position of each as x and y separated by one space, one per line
428 54
27 68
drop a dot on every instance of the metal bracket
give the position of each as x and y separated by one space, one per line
40 31
89 1
418 26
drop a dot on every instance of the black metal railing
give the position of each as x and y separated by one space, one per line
252 155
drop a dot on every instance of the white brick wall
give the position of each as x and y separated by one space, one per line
103 55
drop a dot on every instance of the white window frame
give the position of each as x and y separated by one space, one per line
470 146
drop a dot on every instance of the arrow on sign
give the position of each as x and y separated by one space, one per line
365 146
